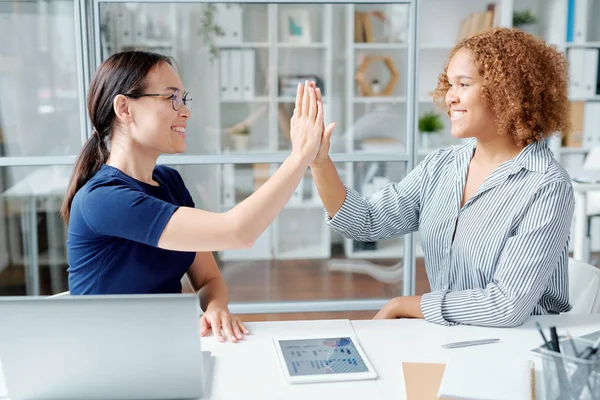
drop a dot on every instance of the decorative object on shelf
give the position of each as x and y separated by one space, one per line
240 132
477 22
363 30
365 88
396 23
289 83
377 131
375 86
240 137
525 20
295 26
429 123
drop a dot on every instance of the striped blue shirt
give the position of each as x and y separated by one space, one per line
509 255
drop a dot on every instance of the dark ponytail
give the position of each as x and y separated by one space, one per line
121 73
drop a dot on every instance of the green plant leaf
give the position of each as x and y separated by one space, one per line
430 122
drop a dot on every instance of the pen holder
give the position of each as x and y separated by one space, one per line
568 377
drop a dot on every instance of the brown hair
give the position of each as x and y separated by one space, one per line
121 73
525 83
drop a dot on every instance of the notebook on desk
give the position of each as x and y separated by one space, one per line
483 377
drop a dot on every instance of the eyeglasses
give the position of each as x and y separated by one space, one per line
177 98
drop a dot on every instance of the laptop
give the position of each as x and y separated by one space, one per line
101 347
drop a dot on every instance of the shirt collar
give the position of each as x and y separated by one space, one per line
535 157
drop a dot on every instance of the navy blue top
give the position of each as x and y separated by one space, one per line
114 228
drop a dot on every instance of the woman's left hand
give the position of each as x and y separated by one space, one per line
401 307
223 324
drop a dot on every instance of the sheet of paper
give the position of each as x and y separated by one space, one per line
475 376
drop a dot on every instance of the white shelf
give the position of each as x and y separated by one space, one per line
379 99
246 45
572 45
380 46
257 99
589 98
436 46
316 45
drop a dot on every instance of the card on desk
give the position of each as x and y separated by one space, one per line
422 380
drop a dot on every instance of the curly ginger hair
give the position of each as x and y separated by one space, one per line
525 83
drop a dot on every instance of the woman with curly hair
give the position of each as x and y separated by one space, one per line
494 214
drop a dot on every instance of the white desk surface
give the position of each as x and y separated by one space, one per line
250 369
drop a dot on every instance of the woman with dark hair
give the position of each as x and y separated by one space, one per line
132 225
494 214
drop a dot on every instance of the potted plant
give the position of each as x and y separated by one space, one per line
429 123
240 137
524 20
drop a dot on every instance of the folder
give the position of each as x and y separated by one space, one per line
235 74
248 72
224 62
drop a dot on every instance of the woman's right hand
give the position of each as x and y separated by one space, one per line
307 123
323 154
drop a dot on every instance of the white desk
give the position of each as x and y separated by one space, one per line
236 376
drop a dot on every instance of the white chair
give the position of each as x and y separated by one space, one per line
584 287
592 162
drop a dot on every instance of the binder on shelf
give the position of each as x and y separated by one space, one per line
591 124
577 72
229 18
581 21
225 84
570 20
235 74
228 185
248 71
590 72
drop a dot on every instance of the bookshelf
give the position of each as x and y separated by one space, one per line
333 52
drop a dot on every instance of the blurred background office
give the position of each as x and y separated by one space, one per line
376 64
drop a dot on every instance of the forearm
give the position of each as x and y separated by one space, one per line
214 293
483 307
253 215
329 185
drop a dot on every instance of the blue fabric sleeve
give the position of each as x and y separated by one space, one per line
122 211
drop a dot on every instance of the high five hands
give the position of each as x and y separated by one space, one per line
310 138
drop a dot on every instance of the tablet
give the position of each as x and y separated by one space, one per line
323 360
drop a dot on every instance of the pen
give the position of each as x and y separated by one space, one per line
469 343
575 353
554 338
543 336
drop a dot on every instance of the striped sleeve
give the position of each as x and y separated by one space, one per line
525 267
392 211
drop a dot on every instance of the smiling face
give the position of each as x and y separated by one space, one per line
155 124
469 115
